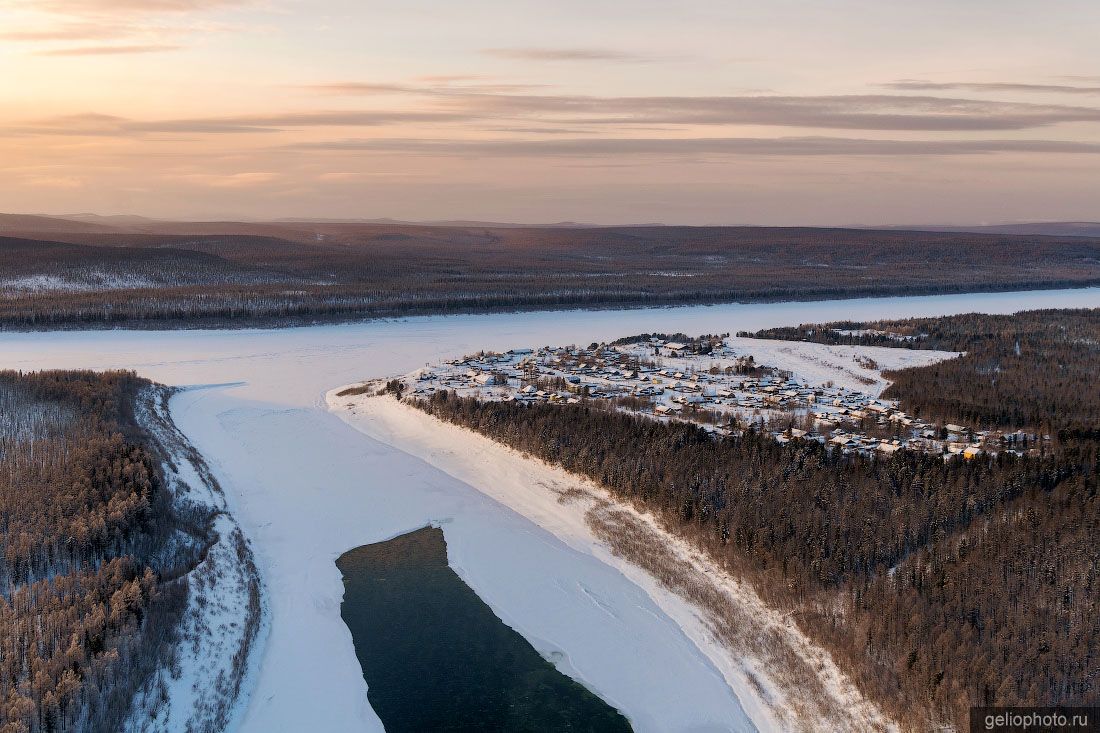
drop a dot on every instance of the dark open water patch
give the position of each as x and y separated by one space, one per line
436 658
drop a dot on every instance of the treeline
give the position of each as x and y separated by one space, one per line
89 595
703 344
231 305
937 585
1034 369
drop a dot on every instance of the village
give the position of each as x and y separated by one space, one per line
706 381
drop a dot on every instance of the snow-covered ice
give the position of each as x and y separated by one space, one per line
305 487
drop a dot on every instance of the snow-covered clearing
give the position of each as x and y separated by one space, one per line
74 282
305 487
845 366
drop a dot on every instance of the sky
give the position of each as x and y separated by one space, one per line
783 112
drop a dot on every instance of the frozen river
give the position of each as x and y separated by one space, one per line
306 487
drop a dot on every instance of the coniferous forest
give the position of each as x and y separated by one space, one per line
92 575
937 584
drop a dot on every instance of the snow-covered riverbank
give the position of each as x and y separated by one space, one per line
224 618
560 503
305 487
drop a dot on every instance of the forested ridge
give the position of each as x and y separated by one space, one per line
937 584
91 577
238 274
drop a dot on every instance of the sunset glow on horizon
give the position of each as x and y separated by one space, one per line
620 112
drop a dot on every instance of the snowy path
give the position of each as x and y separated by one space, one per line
305 487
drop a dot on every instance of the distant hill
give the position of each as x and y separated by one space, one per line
84 223
124 220
456 223
1043 228
30 224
